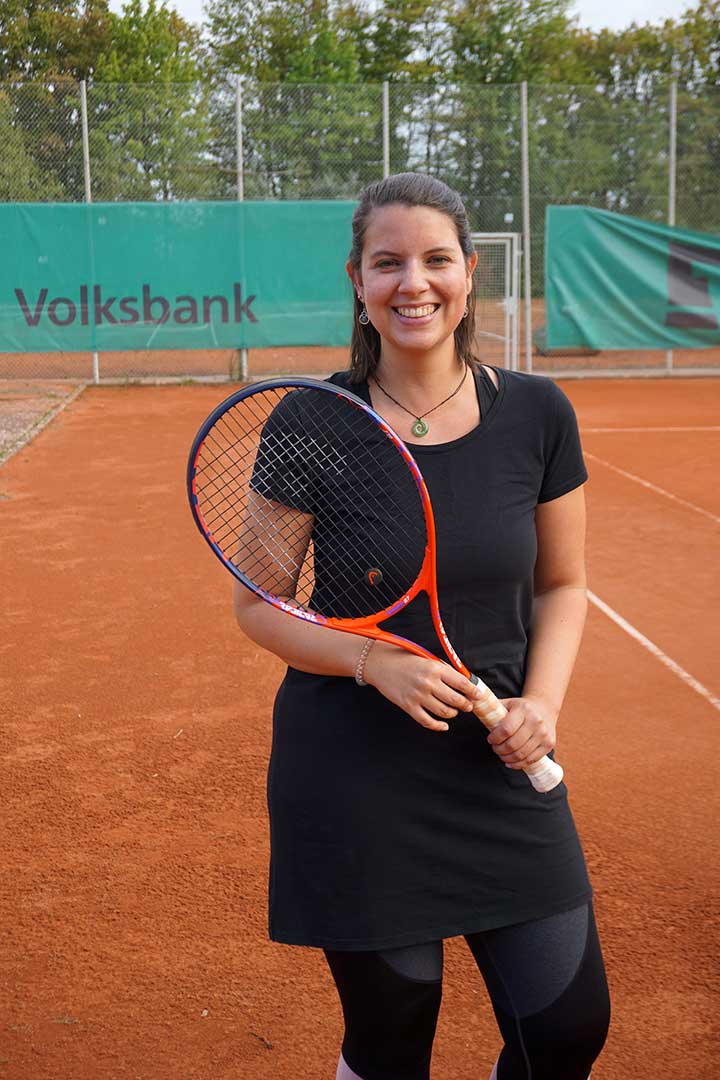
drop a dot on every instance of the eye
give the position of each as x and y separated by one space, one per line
439 258
382 263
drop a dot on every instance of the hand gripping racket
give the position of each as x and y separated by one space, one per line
314 503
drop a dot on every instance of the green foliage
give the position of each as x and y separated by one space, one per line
508 41
149 122
162 101
281 41
47 38
21 179
149 45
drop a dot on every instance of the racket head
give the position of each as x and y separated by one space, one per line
313 502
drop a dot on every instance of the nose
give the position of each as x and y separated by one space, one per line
413 279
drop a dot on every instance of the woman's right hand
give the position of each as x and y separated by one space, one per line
424 689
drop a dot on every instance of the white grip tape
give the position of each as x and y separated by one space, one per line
545 774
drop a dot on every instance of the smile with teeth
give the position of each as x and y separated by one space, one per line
416 312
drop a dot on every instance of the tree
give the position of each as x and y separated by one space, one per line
48 38
309 128
275 41
149 125
508 41
45 46
21 179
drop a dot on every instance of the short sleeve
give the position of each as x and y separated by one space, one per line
564 464
281 472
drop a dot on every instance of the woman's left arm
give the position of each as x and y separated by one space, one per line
558 617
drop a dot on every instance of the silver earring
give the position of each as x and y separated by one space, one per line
466 312
363 317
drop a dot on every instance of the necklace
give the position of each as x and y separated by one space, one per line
421 427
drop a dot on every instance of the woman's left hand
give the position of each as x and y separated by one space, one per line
526 734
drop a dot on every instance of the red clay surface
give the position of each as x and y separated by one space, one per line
136 730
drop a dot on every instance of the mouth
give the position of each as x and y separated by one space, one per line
419 313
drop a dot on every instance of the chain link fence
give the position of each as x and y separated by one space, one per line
235 139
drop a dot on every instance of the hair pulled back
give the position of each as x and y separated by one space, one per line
406 189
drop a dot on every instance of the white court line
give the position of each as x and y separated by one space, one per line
656 652
654 487
614 430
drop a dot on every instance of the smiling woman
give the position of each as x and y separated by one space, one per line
395 821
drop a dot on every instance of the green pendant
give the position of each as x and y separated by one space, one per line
420 428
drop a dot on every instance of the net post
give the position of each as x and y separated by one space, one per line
386 128
243 353
525 154
672 178
88 189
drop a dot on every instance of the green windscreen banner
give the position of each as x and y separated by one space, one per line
617 282
193 275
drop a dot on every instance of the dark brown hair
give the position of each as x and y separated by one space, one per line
406 189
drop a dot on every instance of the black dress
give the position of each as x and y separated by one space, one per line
384 833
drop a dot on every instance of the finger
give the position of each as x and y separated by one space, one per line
533 734
532 759
516 747
520 742
451 699
459 682
422 717
507 727
532 751
438 707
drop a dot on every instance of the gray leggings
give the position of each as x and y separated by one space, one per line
546 981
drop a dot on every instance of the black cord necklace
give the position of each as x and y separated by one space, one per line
421 427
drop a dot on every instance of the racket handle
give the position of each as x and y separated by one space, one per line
545 774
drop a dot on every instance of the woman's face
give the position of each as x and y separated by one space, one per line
414 280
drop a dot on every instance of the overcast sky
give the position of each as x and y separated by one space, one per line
595 14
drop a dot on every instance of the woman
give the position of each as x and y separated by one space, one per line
396 821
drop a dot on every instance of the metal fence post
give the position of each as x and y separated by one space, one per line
525 168
243 372
88 199
386 128
239 139
672 178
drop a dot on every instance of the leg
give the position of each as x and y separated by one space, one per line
546 980
390 1002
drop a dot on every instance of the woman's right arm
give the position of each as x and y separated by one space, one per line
303 645
416 685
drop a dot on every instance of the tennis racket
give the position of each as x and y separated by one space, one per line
312 501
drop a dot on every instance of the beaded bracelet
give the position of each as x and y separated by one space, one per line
360 666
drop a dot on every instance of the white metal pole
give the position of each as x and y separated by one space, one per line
672 179
525 166
386 128
240 192
88 194
85 140
239 139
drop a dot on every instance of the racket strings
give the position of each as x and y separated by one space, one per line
311 500
321 456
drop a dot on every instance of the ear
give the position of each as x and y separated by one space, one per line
471 263
354 277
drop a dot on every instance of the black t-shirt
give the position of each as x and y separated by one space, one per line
484 488
382 832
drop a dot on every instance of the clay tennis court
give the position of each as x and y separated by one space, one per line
136 731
